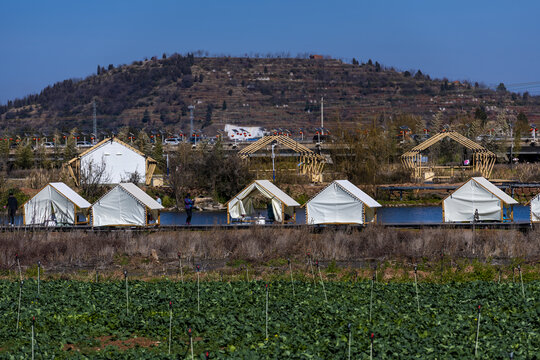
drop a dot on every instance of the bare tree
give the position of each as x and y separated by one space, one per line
207 169
183 163
93 178
134 178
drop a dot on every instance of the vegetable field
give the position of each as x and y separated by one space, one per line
230 320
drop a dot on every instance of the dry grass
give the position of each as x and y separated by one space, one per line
87 250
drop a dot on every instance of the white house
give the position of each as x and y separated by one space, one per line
126 205
341 202
481 197
282 205
535 208
116 160
56 204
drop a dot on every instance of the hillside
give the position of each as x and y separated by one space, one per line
271 92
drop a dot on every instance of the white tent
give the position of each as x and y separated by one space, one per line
477 194
341 202
242 204
111 162
535 208
126 205
55 204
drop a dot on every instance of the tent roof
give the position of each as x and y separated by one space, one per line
357 193
277 192
272 189
104 142
495 190
352 190
68 192
486 184
141 196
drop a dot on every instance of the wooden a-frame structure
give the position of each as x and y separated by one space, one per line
311 163
482 160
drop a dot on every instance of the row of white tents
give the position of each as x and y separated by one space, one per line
124 205
341 202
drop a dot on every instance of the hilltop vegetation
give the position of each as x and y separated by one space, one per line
272 92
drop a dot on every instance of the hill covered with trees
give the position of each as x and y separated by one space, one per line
272 92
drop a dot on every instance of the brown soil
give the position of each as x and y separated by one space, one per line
390 273
120 344
127 344
71 347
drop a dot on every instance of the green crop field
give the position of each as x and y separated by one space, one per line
76 319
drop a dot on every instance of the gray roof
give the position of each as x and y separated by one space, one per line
141 196
70 194
495 190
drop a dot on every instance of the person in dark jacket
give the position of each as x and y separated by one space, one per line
12 206
188 204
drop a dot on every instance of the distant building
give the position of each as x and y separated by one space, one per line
316 57
117 161
242 133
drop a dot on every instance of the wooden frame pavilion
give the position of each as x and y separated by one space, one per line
482 161
311 163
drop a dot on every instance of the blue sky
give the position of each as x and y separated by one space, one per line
486 41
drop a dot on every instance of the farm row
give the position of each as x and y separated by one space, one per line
294 319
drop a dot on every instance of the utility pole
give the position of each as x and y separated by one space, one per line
191 107
273 165
511 147
95 122
322 114
322 122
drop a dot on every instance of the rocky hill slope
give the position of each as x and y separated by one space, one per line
270 92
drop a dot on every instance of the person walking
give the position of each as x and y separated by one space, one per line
188 203
12 206
158 200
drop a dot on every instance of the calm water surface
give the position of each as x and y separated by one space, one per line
387 215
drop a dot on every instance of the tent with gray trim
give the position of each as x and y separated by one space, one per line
56 204
535 208
341 202
126 205
242 204
478 200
